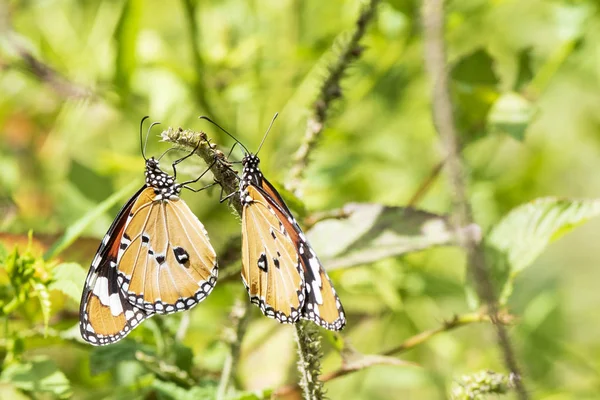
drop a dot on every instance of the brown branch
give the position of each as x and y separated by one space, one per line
435 61
50 76
426 185
410 343
330 91
313 219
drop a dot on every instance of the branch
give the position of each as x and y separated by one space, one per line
426 185
166 371
48 75
330 90
313 219
349 367
435 61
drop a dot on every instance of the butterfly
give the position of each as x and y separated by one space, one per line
280 270
156 258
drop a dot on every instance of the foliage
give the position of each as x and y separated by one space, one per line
77 77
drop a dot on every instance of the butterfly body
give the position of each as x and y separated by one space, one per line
156 258
281 271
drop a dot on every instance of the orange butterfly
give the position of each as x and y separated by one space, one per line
280 270
156 258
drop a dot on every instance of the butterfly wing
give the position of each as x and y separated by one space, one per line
105 315
271 270
322 304
167 263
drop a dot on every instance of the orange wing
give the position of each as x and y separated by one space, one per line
322 304
271 269
166 262
105 316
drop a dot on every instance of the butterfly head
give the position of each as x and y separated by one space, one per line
163 184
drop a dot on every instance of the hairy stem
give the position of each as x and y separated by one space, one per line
226 177
435 60
330 90
309 360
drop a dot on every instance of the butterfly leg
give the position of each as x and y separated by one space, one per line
221 198
186 183
185 157
200 189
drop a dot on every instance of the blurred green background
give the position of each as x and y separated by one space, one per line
77 77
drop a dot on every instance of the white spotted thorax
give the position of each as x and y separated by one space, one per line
251 175
163 184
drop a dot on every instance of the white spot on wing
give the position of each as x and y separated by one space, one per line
317 292
116 307
315 267
101 290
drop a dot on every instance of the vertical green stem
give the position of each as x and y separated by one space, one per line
309 360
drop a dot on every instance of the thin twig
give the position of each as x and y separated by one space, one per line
48 75
330 90
409 344
165 370
239 316
313 219
435 60
425 185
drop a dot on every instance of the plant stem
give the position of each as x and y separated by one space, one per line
409 344
330 90
309 360
199 90
240 316
435 61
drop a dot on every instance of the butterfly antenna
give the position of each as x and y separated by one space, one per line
266 133
142 146
228 134
165 152
148 134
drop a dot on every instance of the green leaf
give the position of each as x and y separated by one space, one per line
107 357
184 356
68 278
511 114
40 375
474 89
372 232
75 230
520 237
525 72
126 40
3 254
